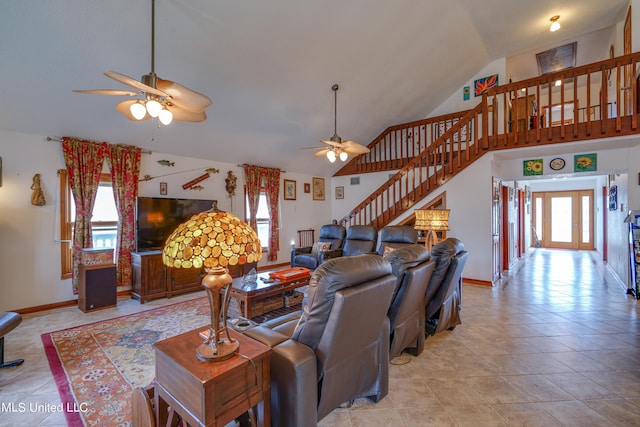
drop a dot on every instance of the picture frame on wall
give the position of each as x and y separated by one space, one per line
307 187
339 192
289 189
163 188
318 188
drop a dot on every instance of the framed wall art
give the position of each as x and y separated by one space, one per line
339 192
318 188
289 189
585 162
532 167
307 187
482 85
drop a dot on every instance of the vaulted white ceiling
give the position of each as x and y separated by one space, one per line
269 66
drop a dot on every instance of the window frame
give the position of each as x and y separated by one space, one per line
66 225
267 220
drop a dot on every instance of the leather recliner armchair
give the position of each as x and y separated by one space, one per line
361 239
305 257
413 267
443 299
337 348
397 236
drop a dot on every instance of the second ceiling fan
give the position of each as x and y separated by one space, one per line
164 99
337 147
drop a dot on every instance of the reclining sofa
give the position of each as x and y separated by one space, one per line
337 348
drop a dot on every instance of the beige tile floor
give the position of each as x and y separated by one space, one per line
557 344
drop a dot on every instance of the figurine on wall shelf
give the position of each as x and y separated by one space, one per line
37 197
231 183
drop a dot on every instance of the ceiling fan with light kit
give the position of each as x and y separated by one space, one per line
337 147
167 100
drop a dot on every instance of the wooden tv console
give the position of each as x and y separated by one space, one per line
152 279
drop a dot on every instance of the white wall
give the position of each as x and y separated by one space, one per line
456 101
30 254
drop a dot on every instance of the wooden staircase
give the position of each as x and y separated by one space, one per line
594 101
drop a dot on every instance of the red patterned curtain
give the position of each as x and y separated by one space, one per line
83 160
253 178
124 162
272 190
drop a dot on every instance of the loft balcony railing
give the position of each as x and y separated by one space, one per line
593 101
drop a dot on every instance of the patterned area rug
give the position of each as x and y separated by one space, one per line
96 366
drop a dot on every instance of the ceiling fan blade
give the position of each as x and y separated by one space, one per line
332 143
322 152
124 108
182 115
184 97
113 92
134 83
353 147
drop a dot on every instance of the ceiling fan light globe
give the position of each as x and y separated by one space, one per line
153 107
165 116
331 155
138 111
344 156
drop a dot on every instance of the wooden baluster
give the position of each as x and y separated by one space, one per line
562 123
538 112
619 89
634 99
575 105
604 97
589 102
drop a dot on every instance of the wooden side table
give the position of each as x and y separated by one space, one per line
211 393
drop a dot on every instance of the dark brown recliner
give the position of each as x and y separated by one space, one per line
443 299
361 239
413 267
305 257
397 236
337 348
8 322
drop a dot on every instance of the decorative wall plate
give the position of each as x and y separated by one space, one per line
557 164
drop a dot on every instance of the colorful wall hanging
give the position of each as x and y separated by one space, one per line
532 167
480 86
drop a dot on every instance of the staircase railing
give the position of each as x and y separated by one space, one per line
456 149
397 145
597 100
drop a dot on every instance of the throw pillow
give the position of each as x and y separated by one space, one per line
320 247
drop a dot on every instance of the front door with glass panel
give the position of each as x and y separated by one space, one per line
563 219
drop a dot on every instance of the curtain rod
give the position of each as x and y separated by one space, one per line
242 166
58 139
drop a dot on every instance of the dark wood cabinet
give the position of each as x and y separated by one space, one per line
96 286
148 276
180 280
152 279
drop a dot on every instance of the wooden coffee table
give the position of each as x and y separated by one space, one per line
246 295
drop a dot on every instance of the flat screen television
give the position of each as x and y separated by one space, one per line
157 218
